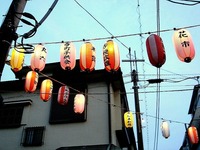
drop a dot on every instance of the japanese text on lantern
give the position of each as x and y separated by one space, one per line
105 55
184 35
93 55
43 56
67 53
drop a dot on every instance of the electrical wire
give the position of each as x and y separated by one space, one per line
101 24
94 98
187 2
156 135
117 36
29 48
142 92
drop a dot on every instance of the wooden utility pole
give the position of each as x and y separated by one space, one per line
8 30
134 79
137 109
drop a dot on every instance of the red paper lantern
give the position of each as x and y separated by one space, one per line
31 81
46 90
87 57
155 50
111 56
79 103
67 56
165 129
38 58
17 59
63 95
193 135
184 45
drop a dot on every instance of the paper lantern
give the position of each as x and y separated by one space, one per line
87 57
17 59
63 95
31 81
128 119
183 45
67 56
155 50
165 129
79 103
111 56
193 135
38 58
46 90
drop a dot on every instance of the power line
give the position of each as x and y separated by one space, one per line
117 36
185 2
113 105
101 24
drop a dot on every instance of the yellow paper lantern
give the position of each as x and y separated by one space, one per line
128 119
17 59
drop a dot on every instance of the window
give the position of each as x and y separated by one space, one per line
11 113
10 116
66 114
33 136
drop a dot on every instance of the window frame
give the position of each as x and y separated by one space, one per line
11 113
60 114
33 136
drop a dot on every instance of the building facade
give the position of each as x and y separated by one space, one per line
27 122
194 111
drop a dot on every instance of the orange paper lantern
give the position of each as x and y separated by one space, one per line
79 103
17 59
46 90
67 56
31 81
63 95
87 57
184 45
38 58
111 56
193 135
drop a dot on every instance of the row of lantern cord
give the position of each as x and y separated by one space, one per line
192 132
182 40
68 57
47 88
67 62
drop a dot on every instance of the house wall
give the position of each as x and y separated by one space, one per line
116 114
94 131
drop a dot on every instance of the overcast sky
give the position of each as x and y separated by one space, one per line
69 22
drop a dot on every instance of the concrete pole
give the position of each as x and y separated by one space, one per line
8 30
